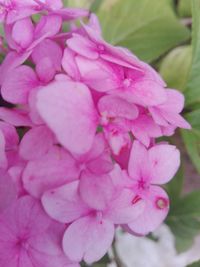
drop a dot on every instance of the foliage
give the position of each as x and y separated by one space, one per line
148 28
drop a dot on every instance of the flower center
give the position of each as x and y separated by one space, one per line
101 48
162 203
127 83
22 243
142 184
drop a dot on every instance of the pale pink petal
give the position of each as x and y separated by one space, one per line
64 203
15 117
48 26
21 81
46 251
94 23
125 208
144 128
97 149
48 49
54 4
148 93
54 169
175 101
138 162
101 165
22 32
98 74
25 217
91 237
11 61
8 193
69 64
68 110
71 13
35 143
96 191
165 161
157 116
83 46
175 119
113 106
10 135
3 158
156 210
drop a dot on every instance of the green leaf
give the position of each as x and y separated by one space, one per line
184 219
174 187
147 27
192 144
184 8
178 59
196 264
78 3
192 93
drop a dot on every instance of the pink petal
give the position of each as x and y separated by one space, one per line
48 26
21 81
48 49
68 110
176 119
64 204
144 128
35 143
69 64
22 32
3 158
157 116
11 61
10 135
25 216
148 93
113 106
98 74
175 101
8 192
165 161
96 191
138 162
97 149
45 250
101 165
15 117
83 46
91 238
54 169
71 13
125 208
156 210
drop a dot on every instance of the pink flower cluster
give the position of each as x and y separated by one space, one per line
78 123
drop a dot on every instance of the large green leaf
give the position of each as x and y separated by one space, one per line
192 138
184 219
193 86
195 264
174 187
178 59
192 143
147 27
184 8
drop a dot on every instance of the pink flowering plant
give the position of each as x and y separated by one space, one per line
83 127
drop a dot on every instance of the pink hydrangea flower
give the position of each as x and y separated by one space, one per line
147 170
78 127
31 239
